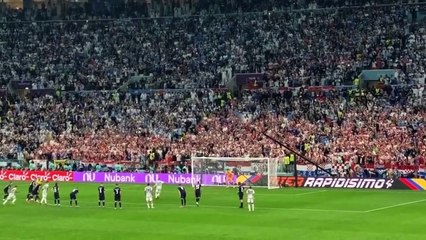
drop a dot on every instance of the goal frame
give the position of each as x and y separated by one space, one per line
270 164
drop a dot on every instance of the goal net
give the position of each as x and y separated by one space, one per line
227 171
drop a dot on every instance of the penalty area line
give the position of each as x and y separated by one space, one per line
394 206
307 193
167 205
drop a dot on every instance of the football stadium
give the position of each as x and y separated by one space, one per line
212 119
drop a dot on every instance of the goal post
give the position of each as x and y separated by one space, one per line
228 171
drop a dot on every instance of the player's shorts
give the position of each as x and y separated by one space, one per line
149 199
241 196
73 196
101 197
117 198
56 195
10 197
250 200
197 193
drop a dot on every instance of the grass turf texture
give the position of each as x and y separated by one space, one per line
280 214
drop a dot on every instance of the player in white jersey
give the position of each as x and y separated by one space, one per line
158 186
148 196
11 196
250 199
44 190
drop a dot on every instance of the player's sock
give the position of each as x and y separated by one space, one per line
76 204
13 201
152 205
103 203
252 207
184 201
115 205
148 205
71 203
59 202
119 204
181 202
99 203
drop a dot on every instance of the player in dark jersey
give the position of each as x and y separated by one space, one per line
197 193
56 194
6 190
35 192
182 193
117 196
101 192
241 194
73 197
30 191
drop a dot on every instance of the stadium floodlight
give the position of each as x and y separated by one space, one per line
229 171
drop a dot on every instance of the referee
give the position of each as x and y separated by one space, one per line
241 193
182 193
197 193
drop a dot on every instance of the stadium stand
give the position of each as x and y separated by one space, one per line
181 107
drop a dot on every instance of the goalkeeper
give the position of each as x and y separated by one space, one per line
229 178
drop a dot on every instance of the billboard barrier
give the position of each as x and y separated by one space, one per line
112 177
416 184
363 183
23 175
287 181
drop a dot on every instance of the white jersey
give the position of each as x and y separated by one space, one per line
45 188
250 193
148 192
12 192
158 184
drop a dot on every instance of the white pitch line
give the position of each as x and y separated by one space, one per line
394 206
142 206
307 193
320 210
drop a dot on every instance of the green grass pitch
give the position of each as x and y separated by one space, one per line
280 214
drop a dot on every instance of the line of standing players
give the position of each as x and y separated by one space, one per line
34 188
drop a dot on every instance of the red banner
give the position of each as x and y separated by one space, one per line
20 175
285 181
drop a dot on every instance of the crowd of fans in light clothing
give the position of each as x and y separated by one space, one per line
146 128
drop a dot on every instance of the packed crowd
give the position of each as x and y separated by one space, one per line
293 48
146 128
150 128
93 9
